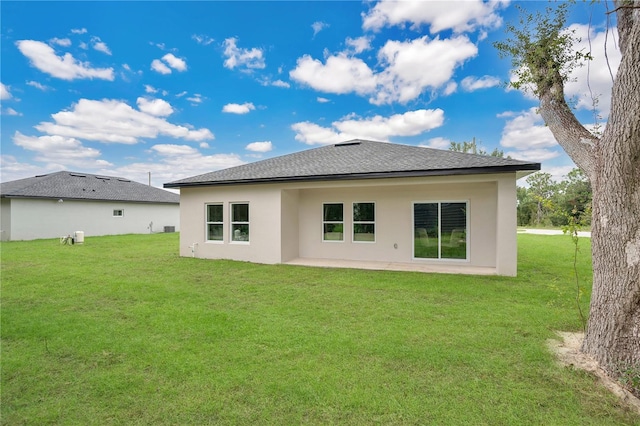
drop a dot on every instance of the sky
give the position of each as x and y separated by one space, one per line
168 90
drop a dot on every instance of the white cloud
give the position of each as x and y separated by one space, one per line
195 99
100 46
341 74
4 92
379 128
439 15
536 155
239 57
450 88
115 121
150 89
79 31
11 111
158 66
239 108
437 143
60 150
265 146
44 58
280 83
202 39
526 130
156 107
322 100
60 41
175 62
358 45
404 78
318 26
470 84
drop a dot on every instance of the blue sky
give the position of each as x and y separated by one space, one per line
178 89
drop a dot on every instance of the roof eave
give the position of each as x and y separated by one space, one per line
531 167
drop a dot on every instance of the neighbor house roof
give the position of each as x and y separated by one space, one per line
359 159
83 186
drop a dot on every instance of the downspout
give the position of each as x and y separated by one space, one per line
193 249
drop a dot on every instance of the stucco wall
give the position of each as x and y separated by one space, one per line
394 222
33 219
264 223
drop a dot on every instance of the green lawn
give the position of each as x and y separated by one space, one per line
121 330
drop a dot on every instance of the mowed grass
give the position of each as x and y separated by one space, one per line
121 330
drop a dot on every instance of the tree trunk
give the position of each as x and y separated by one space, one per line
612 164
613 333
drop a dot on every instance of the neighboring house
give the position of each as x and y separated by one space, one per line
358 201
59 204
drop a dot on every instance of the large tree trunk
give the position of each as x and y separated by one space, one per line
613 166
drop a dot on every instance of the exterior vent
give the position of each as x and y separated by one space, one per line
77 175
346 144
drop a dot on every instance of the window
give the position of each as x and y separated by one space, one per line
240 222
440 230
214 222
364 222
332 222
118 213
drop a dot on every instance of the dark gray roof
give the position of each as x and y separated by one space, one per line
358 159
83 186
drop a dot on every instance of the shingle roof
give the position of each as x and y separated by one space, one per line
358 159
83 186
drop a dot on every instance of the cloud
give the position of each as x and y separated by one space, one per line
60 41
196 99
150 89
238 108
60 150
100 46
174 62
79 31
44 58
202 39
239 57
403 77
280 83
437 143
439 15
158 66
11 111
4 92
322 100
379 128
358 45
470 84
450 88
340 74
156 107
528 137
265 146
318 26
114 121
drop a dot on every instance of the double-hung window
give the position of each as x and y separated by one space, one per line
332 222
215 224
440 230
364 222
240 222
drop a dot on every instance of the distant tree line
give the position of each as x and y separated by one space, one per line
548 203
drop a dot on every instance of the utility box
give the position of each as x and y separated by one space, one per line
169 229
79 237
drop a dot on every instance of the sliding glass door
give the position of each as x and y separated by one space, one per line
440 230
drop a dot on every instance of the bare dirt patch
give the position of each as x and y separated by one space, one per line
568 352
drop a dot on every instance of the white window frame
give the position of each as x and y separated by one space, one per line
467 258
232 223
207 223
355 222
335 222
115 211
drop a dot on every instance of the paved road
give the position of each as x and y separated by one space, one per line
552 232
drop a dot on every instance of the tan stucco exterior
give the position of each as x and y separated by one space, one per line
286 220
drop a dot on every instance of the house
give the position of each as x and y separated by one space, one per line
359 203
61 203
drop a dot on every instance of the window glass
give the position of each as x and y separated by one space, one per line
440 230
333 222
215 225
240 222
118 213
364 227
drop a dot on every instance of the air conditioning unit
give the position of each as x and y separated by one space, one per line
169 229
